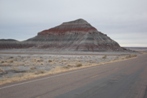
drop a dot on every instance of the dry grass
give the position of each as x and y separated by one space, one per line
57 69
131 56
18 78
61 65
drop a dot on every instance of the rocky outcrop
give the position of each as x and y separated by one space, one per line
76 26
76 35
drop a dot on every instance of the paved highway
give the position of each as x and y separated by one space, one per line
124 79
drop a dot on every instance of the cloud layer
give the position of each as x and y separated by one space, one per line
123 20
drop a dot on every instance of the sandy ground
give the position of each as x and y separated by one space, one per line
21 66
124 79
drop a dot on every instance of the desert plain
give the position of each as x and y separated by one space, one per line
20 64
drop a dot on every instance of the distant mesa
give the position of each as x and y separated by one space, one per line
77 35
12 40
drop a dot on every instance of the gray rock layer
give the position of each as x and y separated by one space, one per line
76 35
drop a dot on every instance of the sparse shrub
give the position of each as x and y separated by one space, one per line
67 67
10 61
134 55
2 61
79 65
15 69
131 55
33 68
128 56
116 58
40 72
1 70
39 60
11 57
63 60
104 57
49 60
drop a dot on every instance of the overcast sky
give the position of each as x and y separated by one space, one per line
125 21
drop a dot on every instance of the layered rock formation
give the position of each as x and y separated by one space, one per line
76 35
13 44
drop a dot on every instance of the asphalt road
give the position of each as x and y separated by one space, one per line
125 79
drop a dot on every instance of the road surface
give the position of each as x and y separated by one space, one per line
124 79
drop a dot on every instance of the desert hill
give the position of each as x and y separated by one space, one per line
77 35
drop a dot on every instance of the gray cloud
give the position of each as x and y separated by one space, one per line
21 19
